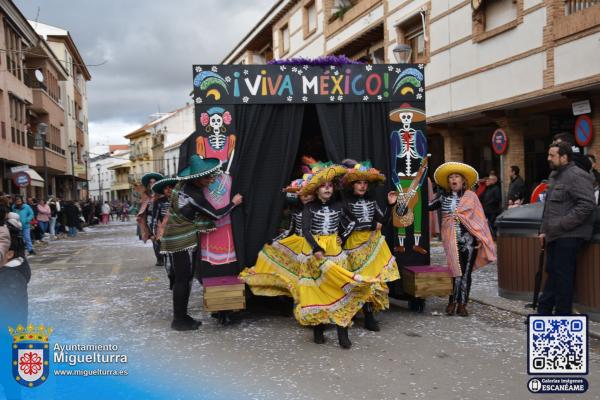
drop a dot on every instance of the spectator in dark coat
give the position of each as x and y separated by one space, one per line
516 188
566 223
491 200
72 217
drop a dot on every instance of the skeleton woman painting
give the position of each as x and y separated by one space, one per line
408 149
217 247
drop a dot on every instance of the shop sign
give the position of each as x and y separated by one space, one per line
499 142
581 107
19 168
22 179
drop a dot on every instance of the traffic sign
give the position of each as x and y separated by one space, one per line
538 193
583 130
22 179
499 142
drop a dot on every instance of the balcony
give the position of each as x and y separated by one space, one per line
56 163
574 6
579 16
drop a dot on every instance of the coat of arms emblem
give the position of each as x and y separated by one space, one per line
30 354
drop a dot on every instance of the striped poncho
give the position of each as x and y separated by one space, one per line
180 233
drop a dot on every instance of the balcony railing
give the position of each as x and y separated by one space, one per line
573 6
34 83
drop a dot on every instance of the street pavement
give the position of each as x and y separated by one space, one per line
103 286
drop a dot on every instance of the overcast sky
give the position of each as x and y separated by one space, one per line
150 47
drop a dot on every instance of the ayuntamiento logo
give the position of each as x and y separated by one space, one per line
30 354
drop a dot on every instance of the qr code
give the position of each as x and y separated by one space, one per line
558 345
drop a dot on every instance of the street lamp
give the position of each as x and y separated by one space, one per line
73 149
402 53
42 130
99 167
86 159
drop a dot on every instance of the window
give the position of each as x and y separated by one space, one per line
340 7
499 12
263 56
411 33
310 19
284 40
17 120
378 56
14 59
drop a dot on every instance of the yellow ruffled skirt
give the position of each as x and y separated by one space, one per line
277 268
324 291
369 255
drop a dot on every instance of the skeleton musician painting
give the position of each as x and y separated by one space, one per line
368 161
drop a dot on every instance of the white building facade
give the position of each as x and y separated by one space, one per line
515 65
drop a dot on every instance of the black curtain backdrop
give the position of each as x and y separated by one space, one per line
359 131
267 143
268 137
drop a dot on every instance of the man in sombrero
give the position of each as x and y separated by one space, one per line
466 235
367 250
190 214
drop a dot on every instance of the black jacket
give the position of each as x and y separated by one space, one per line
491 199
72 214
582 161
569 205
516 189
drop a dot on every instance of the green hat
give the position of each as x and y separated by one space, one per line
199 167
159 186
151 175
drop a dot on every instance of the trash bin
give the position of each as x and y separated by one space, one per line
518 259
518 249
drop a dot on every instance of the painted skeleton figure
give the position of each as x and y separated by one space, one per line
216 138
408 150
214 121
409 147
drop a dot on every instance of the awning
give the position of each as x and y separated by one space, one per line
36 179
121 186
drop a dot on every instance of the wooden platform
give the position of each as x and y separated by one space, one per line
426 280
223 294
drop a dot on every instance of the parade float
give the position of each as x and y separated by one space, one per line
261 121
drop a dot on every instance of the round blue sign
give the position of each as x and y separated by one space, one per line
499 141
22 179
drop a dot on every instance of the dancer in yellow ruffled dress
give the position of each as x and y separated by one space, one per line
328 292
312 267
367 251
277 268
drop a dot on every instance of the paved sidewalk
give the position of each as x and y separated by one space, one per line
484 289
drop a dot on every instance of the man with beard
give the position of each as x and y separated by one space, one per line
566 223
